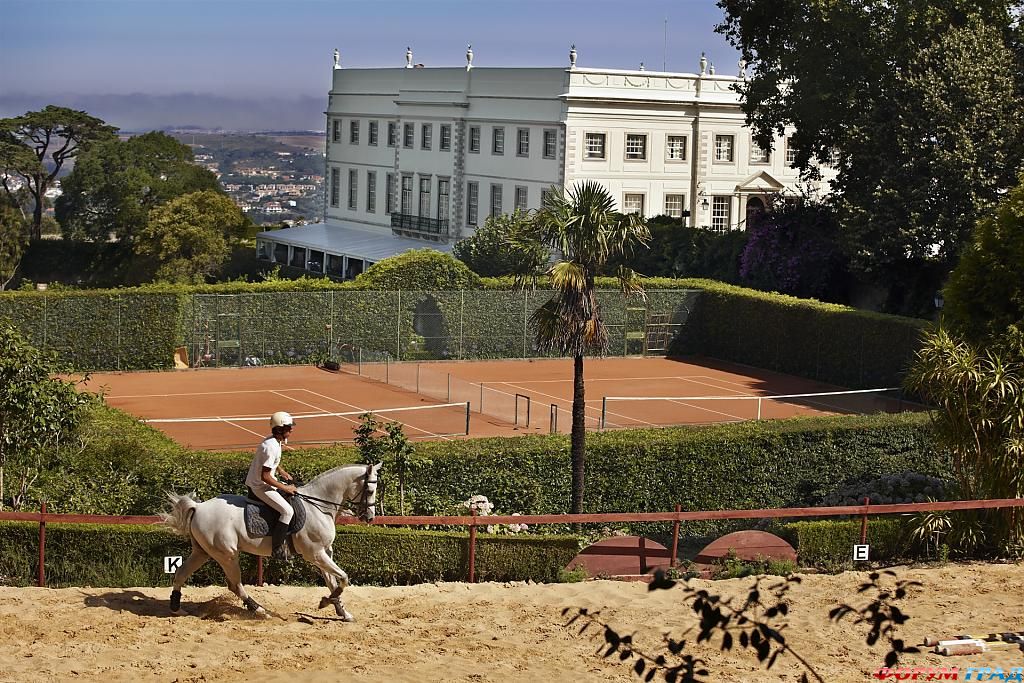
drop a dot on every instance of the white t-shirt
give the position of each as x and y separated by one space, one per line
268 454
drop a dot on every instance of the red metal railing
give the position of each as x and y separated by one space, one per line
473 520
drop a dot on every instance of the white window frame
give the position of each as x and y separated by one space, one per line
725 148
589 152
444 144
628 197
409 135
405 195
790 151
721 213
635 155
335 186
673 197
672 143
392 134
371 192
353 132
444 188
424 196
372 133
336 130
522 198
498 141
426 136
496 199
472 202
550 137
353 189
474 139
389 193
765 156
522 142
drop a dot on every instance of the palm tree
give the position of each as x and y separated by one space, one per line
582 226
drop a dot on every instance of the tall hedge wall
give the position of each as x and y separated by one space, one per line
825 342
309 320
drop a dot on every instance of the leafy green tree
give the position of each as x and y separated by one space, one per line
920 101
419 270
39 412
379 441
583 227
116 184
978 391
51 137
189 236
985 294
13 239
497 247
680 251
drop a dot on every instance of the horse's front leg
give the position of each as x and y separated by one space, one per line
336 580
196 560
234 577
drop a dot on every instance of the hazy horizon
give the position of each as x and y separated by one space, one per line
133 57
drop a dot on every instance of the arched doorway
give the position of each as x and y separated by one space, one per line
755 209
428 323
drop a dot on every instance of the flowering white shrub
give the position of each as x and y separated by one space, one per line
484 508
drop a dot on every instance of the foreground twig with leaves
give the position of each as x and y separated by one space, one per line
757 623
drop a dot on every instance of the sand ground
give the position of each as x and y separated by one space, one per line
462 632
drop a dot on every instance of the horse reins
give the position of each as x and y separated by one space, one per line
361 506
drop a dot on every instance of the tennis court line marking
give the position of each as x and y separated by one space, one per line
203 393
355 422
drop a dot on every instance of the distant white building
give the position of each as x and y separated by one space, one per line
422 156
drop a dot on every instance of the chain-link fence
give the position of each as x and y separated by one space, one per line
303 327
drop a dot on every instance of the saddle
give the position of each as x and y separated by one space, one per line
260 518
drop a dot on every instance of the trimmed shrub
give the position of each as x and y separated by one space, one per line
129 555
829 543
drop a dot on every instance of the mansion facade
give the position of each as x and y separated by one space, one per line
421 157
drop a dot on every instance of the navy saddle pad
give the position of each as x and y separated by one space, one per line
260 518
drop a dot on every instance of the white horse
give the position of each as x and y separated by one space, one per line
217 530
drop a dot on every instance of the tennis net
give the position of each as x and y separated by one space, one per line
420 423
421 378
644 411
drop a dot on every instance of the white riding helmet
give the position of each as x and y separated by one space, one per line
281 419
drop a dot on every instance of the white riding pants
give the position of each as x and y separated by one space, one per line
277 501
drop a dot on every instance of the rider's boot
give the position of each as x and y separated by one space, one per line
280 540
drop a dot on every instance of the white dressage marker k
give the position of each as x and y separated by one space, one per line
171 564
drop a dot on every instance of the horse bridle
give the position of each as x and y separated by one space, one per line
360 508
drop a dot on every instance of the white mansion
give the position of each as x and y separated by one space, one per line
422 156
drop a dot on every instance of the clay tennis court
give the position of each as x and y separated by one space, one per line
228 408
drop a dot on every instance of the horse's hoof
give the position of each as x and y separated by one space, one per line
175 602
177 612
348 618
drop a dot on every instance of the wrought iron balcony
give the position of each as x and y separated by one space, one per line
419 226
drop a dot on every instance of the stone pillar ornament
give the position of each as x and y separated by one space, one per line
469 57
703 64
742 68
572 56
642 66
408 58
337 59
711 69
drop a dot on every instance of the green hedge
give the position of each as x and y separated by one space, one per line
829 543
825 342
128 555
307 320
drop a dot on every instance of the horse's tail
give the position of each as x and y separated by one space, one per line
179 518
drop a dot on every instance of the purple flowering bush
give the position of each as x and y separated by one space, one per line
795 250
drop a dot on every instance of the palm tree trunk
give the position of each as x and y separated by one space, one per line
579 434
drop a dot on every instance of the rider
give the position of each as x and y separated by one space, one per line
263 482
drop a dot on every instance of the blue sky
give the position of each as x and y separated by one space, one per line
283 47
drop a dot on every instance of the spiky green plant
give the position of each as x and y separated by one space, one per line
978 393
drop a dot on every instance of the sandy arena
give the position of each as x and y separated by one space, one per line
461 632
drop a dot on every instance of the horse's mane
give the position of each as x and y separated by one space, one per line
331 471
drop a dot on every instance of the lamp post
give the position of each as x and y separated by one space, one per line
939 302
